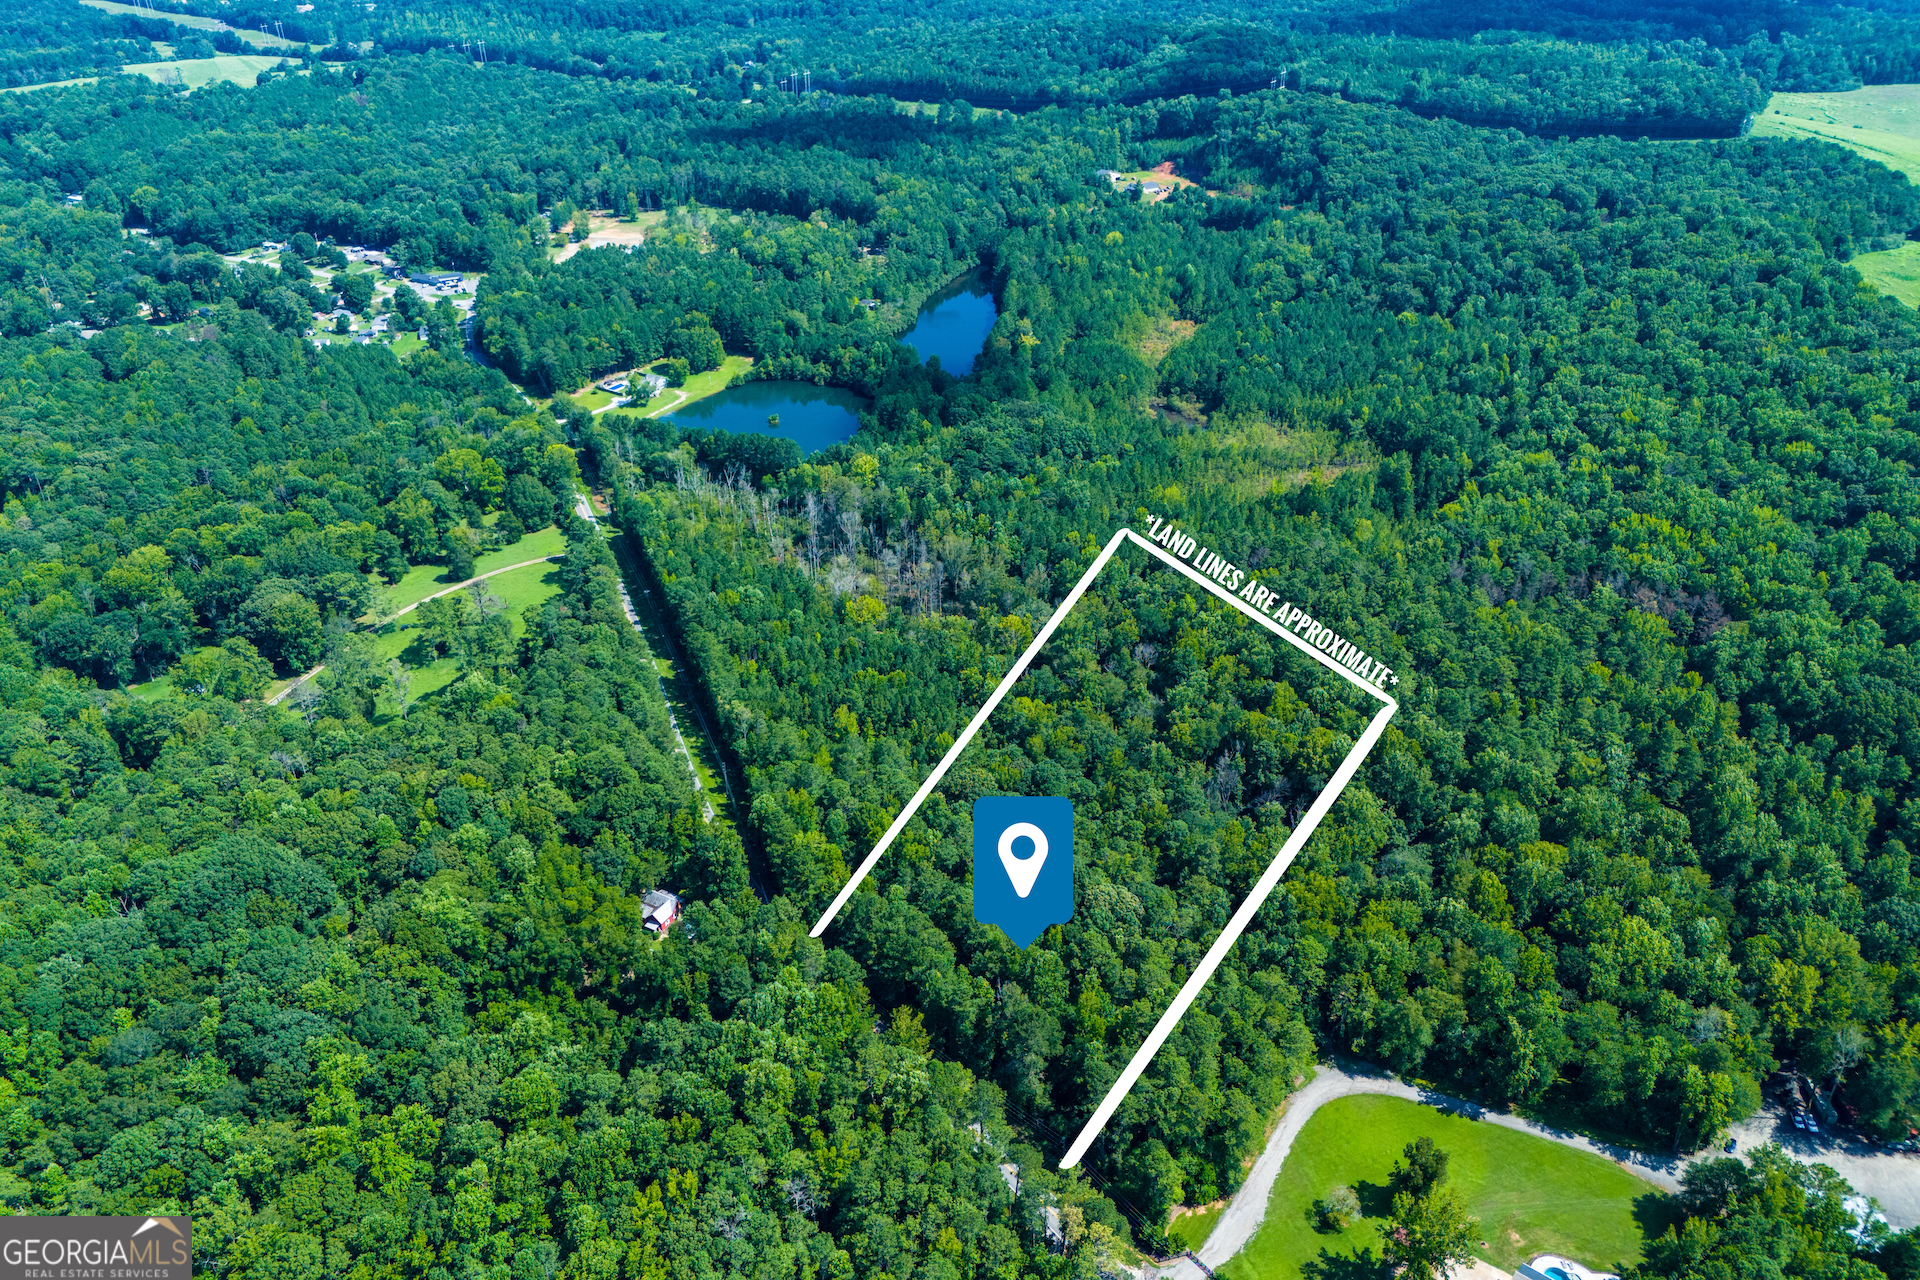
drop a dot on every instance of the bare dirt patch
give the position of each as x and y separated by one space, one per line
607 231
1164 335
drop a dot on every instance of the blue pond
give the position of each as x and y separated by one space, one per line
954 324
810 416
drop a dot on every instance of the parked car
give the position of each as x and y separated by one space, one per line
1799 1120
1813 1126
1731 1144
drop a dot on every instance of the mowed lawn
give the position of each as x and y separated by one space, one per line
517 588
242 68
699 387
424 580
1531 1196
1192 1229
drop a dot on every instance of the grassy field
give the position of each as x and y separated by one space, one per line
1531 1196
424 579
912 107
1897 271
516 588
1192 1229
1881 122
242 69
699 387
594 398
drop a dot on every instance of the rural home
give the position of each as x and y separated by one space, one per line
660 909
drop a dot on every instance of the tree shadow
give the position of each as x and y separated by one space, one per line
1364 1265
1376 1198
1654 1212
419 652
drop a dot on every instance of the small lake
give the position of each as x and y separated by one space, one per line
810 416
954 324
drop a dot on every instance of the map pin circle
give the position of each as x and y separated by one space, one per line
1023 871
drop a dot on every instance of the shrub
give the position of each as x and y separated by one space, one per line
1337 1210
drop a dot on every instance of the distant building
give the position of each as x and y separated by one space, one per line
436 279
1111 175
1152 188
422 335
72 199
660 909
654 383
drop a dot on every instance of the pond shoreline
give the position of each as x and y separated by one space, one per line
814 416
953 322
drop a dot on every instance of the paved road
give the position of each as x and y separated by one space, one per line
1892 1179
444 591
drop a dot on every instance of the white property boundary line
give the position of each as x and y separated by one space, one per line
1255 899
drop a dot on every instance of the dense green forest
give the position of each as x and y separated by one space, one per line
1599 442
1550 69
1581 871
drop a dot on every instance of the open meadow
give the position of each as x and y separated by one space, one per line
1881 122
242 69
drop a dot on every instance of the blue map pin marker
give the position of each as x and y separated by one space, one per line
1023 864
